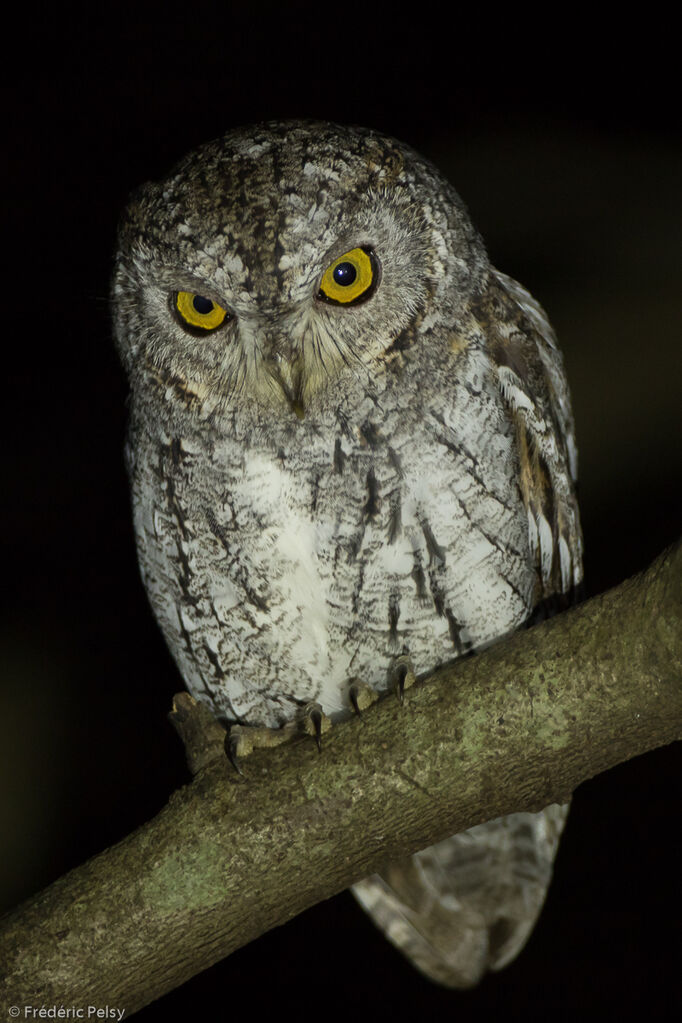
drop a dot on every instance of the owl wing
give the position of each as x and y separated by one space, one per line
469 903
529 368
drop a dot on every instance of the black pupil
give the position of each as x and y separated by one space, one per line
202 305
344 274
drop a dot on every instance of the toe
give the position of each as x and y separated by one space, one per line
315 722
403 674
361 695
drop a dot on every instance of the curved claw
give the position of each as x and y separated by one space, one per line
399 681
232 742
403 675
314 722
316 718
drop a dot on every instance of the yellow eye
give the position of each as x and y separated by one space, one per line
198 311
351 278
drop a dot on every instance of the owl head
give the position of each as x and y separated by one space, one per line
285 258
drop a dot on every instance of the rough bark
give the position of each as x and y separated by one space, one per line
514 728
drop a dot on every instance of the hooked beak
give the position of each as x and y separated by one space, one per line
289 377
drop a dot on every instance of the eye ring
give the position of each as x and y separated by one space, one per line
351 279
197 313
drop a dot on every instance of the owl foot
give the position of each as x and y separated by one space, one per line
402 675
242 740
361 695
201 733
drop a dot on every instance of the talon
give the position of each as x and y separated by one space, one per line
400 673
316 718
315 722
232 742
403 675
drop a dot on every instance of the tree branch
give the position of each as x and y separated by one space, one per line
514 728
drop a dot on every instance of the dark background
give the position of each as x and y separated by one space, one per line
567 149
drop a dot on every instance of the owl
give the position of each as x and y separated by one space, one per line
352 458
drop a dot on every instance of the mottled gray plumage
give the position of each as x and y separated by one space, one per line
319 487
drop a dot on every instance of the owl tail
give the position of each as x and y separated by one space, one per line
469 903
